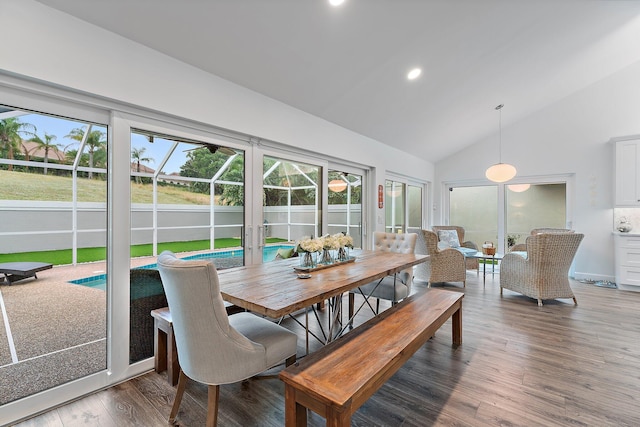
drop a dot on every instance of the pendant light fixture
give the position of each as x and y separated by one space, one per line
500 172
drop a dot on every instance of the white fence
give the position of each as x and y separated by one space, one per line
27 226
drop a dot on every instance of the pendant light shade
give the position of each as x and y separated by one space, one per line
500 172
519 188
337 185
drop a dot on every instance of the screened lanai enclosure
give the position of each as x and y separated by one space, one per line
215 176
182 191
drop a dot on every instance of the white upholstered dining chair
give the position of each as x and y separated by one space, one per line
391 288
214 348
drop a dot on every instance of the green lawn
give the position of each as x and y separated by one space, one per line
62 257
36 186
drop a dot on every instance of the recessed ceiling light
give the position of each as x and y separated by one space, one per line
336 2
414 74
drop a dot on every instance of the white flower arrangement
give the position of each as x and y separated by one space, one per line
330 242
309 244
344 240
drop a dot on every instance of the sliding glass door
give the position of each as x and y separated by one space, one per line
395 196
476 210
530 205
53 203
187 196
345 204
291 204
505 214
404 206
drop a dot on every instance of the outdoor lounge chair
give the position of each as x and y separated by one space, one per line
14 271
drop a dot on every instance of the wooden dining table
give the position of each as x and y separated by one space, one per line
274 289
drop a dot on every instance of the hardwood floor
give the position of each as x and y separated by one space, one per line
519 365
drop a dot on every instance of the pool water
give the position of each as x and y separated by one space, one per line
268 254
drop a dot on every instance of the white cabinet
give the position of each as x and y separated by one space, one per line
627 169
627 254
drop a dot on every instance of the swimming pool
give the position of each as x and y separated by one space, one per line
268 254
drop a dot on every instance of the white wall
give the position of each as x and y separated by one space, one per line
55 47
570 136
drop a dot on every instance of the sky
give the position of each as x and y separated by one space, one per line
62 127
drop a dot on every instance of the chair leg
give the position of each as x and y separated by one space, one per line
500 290
212 405
290 360
539 302
182 383
377 305
428 284
575 301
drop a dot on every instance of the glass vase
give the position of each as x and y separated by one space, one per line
326 257
343 254
308 259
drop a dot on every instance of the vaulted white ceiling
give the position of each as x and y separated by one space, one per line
348 65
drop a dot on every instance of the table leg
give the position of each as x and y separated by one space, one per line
493 268
456 323
484 273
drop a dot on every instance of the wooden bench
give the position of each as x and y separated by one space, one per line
336 380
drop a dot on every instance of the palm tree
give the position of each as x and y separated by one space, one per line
11 131
137 156
95 141
47 145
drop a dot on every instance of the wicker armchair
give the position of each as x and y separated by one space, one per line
522 247
518 247
445 265
543 274
550 230
472 263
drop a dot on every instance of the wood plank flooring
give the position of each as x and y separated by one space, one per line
519 365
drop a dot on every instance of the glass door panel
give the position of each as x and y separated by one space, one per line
415 204
187 196
291 201
394 202
475 209
53 200
345 205
530 206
